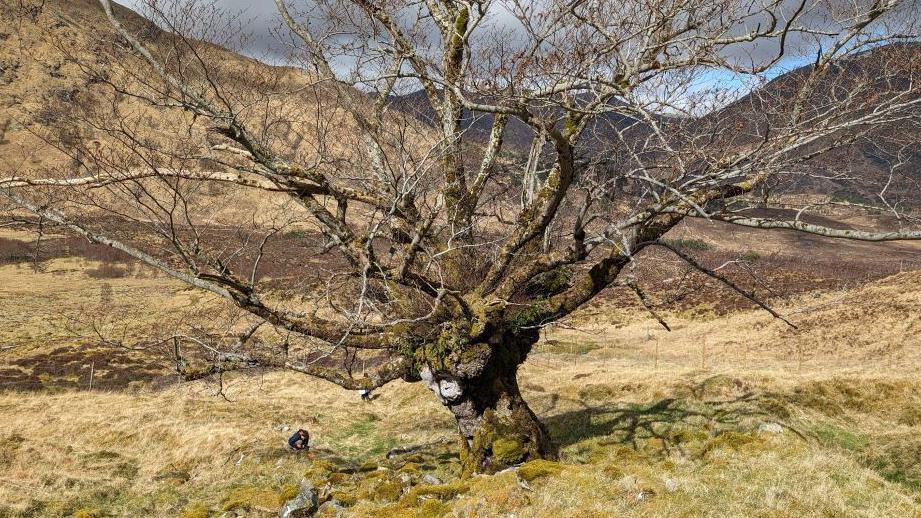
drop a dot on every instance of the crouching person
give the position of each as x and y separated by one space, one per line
299 441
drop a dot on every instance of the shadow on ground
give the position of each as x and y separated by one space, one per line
694 415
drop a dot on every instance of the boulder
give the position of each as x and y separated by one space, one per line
302 505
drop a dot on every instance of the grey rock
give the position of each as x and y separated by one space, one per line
431 480
770 428
671 485
403 450
302 505
644 494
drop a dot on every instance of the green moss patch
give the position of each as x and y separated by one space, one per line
439 491
535 469
508 449
384 488
256 498
834 436
196 511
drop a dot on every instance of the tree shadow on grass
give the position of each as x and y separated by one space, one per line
668 423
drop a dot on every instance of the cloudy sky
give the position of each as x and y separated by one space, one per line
262 20
262 24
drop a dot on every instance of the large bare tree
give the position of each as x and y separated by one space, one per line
458 174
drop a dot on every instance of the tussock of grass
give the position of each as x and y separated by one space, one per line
689 244
834 436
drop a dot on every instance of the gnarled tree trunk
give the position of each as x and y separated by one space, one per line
480 387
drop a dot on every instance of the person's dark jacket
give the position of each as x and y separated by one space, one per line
298 442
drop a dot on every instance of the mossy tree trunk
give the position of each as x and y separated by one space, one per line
498 429
480 387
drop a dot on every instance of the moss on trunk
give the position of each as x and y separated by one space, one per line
506 433
477 382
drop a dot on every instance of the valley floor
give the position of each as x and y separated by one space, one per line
732 415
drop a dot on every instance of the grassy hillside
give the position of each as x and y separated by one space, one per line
649 422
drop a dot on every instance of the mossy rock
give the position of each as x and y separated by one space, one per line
439 491
195 511
344 498
288 491
388 491
322 466
538 468
394 511
368 466
320 471
433 508
255 498
380 489
378 473
411 468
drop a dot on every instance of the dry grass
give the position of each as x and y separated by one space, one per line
642 433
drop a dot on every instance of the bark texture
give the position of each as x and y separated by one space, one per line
480 387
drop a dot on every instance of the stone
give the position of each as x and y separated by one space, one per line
431 480
644 494
302 505
671 485
774 428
